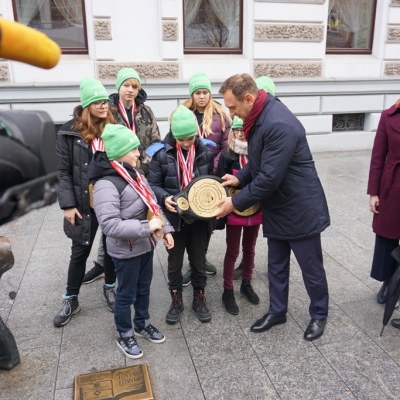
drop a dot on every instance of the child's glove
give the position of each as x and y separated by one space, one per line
208 142
153 148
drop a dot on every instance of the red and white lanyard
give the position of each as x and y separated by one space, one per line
185 167
124 115
139 186
98 145
200 132
242 160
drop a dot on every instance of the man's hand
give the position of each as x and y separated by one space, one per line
230 180
225 207
374 204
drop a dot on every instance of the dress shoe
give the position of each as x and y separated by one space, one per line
315 329
267 322
395 323
382 294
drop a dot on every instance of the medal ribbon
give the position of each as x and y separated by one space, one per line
242 160
124 115
139 186
98 145
185 169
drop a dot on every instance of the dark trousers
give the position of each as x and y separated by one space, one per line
134 279
79 256
233 235
383 265
308 253
192 238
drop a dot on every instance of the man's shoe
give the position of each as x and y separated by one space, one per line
109 297
228 298
395 323
175 309
267 322
200 307
247 290
95 273
187 278
382 294
315 329
210 268
238 271
129 347
151 333
70 306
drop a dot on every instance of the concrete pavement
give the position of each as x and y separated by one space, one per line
221 359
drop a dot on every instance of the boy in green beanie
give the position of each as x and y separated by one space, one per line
172 168
122 199
266 83
129 108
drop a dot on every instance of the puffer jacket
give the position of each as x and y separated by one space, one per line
73 158
145 122
163 172
122 214
281 175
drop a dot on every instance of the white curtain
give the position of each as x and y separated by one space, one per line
191 8
71 10
228 12
350 13
27 9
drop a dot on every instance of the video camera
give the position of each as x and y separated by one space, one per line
28 165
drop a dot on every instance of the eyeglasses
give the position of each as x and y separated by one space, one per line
101 103
238 132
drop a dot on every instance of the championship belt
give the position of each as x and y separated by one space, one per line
200 198
248 212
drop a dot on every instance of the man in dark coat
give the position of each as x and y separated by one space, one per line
282 177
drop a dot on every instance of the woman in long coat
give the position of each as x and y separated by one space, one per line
384 191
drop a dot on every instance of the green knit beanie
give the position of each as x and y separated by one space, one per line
266 83
199 80
118 140
184 123
237 123
124 74
92 90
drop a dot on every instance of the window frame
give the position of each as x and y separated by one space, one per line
215 50
338 50
67 50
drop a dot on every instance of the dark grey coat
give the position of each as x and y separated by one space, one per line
73 158
281 175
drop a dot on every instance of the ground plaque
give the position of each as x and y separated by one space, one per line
132 383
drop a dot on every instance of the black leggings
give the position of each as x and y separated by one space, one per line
79 256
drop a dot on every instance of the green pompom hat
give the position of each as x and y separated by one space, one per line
266 83
124 74
92 90
199 80
118 140
183 123
237 123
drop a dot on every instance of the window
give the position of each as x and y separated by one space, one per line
350 26
61 20
213 26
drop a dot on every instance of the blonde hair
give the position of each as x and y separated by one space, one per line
88 127
209 110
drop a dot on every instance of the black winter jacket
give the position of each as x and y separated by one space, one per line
73 189
281 175
163 172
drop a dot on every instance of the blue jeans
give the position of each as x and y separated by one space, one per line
134 277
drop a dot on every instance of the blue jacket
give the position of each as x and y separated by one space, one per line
281 175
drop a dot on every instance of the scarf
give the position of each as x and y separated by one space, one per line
238 146
254 113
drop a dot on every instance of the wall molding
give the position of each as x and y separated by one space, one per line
392 68
156 70
288 69
170 30
102 29
4 72
288 32
393 34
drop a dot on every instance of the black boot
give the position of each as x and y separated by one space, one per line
238 271
200 307
228 298
382 294
176 307
247 290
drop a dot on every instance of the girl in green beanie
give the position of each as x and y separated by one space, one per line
214 124
77 141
